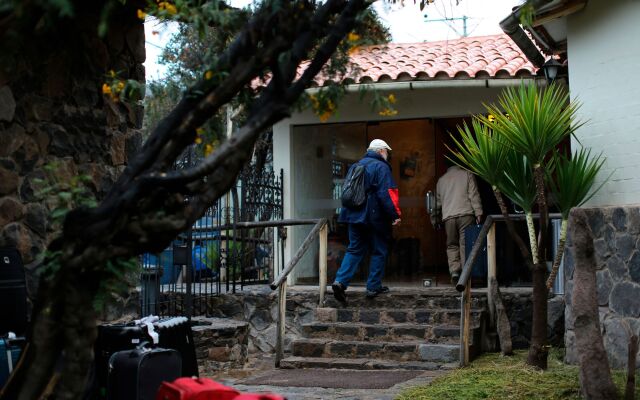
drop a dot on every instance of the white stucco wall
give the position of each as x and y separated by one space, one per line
604 57
296 156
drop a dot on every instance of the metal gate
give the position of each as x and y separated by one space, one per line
216 255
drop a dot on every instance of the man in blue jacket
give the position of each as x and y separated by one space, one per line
370 224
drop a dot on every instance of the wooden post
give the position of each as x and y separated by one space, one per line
467 323
503 327
465 308
491 272
322 263
282 308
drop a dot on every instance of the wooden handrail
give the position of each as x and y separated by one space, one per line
463 282
280 283
319 223
477 245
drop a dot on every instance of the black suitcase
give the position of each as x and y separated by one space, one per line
137 374
471 233
111 339
174 333
13 292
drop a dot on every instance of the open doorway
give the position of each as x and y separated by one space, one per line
417 250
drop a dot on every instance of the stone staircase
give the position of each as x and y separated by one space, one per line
404 329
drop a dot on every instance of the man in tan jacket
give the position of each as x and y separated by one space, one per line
459 205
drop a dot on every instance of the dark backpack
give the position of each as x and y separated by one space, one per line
354 192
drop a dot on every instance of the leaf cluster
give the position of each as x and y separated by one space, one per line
64 194
521 132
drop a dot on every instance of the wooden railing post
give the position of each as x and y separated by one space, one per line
491 271
322 263
280 329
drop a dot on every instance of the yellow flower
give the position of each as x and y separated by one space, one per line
106 89
387 112
352 37
324 116
392 98
170 8
141 14
491 117
199 131
112 73
314 101
208 75
208 149
119 86
352 50
198 140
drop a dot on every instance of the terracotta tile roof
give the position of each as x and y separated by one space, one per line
481 57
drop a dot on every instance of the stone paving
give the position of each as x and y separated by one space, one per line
309 382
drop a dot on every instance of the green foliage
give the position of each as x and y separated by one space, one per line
115 280
232 255
532 121
493 376
527 13
192 51
62 194
572 178
478 151
517 181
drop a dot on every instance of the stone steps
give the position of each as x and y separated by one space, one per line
442 316
415 350
434 299
382 332
361 364
400 330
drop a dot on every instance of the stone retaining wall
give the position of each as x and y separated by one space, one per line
220 344
617 254
53 113
520 313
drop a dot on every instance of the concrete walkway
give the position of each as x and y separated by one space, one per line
324 384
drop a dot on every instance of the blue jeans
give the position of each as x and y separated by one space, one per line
362 238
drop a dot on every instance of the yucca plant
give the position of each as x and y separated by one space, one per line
517 184
524 131
534 122
570 181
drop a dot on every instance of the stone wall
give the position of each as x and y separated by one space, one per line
53 112
617 254
517 302
220 344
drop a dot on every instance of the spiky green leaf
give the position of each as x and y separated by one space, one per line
572 179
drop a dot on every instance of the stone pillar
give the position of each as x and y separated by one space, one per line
617 252
52 111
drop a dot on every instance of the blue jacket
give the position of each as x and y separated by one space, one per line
382 206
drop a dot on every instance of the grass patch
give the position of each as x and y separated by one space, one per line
492 376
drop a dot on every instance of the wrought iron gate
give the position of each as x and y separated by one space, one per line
217 255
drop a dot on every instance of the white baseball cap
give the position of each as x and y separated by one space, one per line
378 144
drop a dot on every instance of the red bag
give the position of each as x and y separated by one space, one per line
195 389
259 396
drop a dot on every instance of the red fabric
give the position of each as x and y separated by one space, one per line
195 389
395 199
259 396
